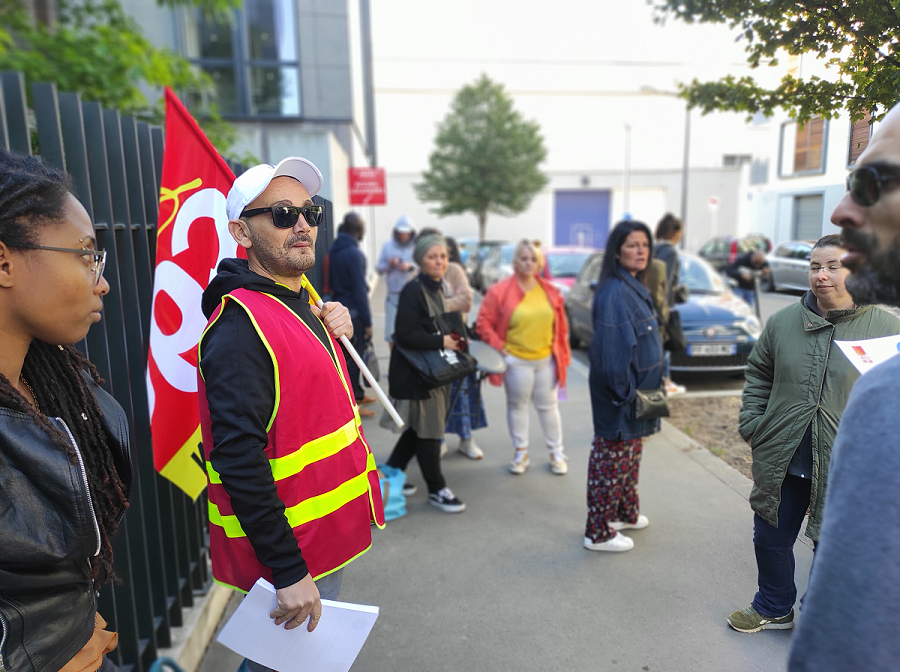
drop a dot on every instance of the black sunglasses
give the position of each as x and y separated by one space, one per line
864 185
286 216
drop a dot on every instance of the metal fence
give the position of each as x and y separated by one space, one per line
116 164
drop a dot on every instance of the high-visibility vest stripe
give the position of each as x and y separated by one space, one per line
265 342
313 451
307 510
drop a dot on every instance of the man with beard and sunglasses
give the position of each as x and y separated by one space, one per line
292 483
850 619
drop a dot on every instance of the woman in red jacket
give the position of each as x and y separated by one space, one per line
523 317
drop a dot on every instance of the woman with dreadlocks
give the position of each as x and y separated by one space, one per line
65 471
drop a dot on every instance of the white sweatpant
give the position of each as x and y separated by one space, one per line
526 380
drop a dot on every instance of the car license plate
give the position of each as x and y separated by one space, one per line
701 350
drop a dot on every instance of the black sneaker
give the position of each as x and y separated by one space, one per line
446 501
409 489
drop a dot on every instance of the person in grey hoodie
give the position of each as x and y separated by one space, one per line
850 619
396 262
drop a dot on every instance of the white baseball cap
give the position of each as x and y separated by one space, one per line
255 180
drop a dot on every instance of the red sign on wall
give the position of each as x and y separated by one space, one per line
367 186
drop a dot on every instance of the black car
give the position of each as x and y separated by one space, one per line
720 328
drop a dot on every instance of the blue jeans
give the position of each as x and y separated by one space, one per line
775 549
667 364
747 295
329 588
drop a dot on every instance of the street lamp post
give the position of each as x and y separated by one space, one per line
626 178
686 152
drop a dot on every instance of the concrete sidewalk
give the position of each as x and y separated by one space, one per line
506 585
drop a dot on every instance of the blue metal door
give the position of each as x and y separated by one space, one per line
581 217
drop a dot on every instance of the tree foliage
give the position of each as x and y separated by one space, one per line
485 158
99 52
859 40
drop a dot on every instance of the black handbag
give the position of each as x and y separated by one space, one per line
649 405
677 342
441 367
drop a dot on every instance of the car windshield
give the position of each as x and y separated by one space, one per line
566 264
507 254
752 245
700 278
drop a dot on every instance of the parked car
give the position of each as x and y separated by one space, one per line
466 245
561 265
580 299
720 328
497 265
789 266
723 250
476 258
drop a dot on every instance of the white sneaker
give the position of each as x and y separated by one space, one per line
673 389
468 448
558 464
641 523
617 544
519 465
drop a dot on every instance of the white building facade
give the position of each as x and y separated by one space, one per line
599 78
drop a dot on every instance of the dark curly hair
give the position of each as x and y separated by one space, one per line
33 195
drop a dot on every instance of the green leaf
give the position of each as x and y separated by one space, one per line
99 52
858 38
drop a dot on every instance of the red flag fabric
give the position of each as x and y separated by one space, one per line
192 238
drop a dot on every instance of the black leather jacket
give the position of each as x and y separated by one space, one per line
48 533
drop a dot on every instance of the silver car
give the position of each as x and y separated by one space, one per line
789 266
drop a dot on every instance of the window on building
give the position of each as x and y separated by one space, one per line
860 132
736 159
803 148
759 171
808 213
254 62
808 146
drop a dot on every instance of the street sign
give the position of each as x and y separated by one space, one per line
367 186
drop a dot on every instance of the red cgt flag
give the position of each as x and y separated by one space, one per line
192 239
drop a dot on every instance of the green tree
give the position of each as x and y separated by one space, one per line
485 158
98 51
858 39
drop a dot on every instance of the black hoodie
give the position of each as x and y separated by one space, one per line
240 389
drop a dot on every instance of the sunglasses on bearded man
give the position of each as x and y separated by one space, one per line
864 185
286 216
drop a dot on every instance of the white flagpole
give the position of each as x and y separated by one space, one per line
382 397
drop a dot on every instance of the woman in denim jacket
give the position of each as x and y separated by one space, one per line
626 355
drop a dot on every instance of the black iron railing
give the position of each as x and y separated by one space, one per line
116 165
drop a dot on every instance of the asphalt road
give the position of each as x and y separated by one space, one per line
726 383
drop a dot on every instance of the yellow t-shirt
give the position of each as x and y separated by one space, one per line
530 332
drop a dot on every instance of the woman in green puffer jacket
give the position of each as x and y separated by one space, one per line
797 384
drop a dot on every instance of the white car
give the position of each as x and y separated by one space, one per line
789 266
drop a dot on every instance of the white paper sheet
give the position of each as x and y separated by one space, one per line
867 354
331 647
